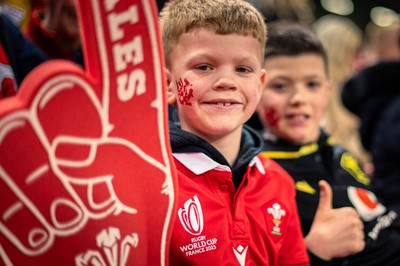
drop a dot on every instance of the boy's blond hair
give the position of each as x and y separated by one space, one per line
221 16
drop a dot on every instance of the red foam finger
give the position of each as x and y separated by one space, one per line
98 186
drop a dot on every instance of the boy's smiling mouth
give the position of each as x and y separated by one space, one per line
297 119
224 104
298 116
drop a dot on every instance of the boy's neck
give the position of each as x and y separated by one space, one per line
228 146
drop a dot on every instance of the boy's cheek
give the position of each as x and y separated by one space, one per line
184 90
271 116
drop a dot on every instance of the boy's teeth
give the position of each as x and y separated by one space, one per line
224 104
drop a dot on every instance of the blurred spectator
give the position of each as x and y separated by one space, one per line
17 57
343 40
382 43
300 10
374 95
55 30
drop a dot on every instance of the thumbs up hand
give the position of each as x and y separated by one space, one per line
335 233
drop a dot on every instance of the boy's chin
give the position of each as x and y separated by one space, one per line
299 139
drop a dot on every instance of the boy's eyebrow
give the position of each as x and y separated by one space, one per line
238 58
198 55
289 77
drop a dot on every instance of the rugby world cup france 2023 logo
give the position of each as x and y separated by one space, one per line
85 162
191 216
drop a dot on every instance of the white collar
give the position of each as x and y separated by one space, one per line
199 163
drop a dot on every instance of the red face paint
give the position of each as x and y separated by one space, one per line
272 117
185 91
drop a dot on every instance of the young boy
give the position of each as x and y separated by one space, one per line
293 103
235 207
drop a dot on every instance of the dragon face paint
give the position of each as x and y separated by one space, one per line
185 91
271 116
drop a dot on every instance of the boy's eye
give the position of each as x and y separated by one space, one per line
313 84
203 67
278 86
243 69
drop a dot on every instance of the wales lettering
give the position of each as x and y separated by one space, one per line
130 82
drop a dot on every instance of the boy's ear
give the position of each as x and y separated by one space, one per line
263 76
329 88
263 79
329 93
170 92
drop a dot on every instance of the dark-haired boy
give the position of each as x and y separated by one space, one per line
342 220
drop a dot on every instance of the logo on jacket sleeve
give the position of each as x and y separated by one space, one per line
276 216
191 216
366 203
305 187
349 163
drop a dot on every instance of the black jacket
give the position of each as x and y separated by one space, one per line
308 164
22 54
374 96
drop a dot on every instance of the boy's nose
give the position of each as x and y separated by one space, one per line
225 81
298 96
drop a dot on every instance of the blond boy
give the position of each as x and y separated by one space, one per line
234 207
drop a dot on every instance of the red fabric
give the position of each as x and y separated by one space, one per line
7 82
217 226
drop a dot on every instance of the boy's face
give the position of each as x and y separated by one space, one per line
295 97
215 81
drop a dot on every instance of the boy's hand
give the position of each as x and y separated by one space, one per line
335 233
